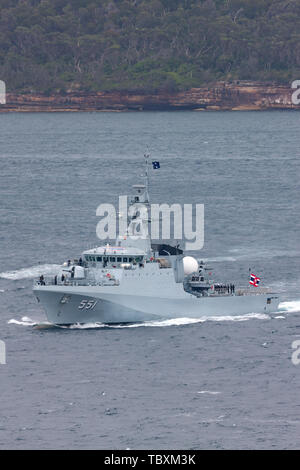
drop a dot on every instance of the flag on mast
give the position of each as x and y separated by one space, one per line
254 280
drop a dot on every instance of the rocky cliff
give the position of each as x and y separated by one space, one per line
222 96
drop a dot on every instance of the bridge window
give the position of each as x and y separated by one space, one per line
119 260
112 259
125 259
99 259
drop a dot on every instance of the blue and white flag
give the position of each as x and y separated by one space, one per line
156 165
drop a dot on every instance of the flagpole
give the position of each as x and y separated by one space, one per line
147 174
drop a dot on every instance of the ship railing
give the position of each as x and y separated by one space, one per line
220 294
71 283
240 292
255 291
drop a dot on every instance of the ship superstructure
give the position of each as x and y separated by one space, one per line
135 280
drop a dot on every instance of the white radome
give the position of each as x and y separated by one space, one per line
190 265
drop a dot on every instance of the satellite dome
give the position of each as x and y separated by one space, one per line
190 265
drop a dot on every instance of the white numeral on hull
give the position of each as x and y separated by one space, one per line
87 304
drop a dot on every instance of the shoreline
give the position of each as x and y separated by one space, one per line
241 96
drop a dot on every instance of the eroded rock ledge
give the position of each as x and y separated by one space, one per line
221 96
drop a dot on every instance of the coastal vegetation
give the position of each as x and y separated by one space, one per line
59 46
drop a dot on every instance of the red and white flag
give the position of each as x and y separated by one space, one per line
254 280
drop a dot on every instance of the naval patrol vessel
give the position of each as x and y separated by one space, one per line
135 280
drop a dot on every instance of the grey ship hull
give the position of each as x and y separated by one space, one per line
70 305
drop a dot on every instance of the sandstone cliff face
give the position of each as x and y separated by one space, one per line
222 96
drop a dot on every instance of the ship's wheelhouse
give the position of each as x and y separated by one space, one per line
113 257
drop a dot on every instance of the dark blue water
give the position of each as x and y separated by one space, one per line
226 383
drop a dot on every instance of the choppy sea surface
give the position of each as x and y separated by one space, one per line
213 383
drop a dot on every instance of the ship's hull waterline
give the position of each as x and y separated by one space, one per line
64 306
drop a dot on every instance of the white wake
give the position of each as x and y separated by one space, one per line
292 306
31 272
26 321
284 307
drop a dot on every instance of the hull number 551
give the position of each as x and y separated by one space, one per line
87 304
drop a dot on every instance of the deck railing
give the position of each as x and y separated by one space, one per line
70 282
